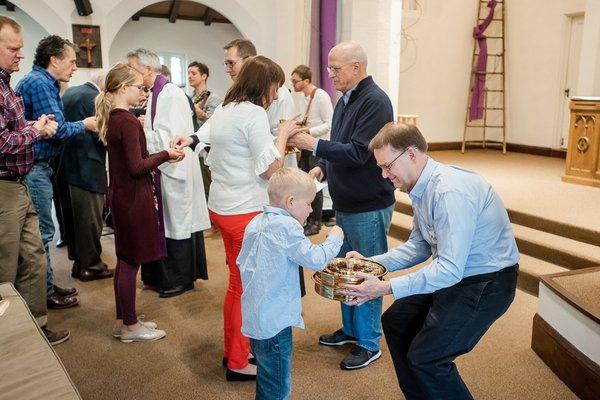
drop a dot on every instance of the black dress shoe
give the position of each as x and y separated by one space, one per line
87 275
250 361
175 291
233 376
75 271
70 292
57 302
61 243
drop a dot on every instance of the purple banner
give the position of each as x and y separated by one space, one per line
478 90
328 28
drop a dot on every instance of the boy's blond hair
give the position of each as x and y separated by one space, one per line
288 181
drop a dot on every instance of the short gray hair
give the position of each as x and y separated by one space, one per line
98 77
146 58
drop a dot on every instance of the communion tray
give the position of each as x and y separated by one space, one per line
343 271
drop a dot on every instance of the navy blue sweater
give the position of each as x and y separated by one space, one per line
355 181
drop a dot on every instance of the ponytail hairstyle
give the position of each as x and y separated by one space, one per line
119 75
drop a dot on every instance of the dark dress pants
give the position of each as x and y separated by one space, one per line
425 333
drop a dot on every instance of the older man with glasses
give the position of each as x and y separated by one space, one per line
362 199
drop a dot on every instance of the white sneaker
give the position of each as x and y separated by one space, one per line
142 334
148 324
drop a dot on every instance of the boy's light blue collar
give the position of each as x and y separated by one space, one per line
275 210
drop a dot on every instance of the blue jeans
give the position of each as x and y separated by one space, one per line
366 233
40 189
273 366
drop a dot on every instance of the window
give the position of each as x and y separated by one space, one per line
177 65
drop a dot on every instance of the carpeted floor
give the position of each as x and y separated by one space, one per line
187 363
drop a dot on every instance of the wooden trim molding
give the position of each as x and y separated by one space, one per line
513 147
536 150
574 368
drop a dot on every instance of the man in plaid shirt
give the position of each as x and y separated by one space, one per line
22 259
54 62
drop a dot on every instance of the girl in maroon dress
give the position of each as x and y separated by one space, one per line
131 200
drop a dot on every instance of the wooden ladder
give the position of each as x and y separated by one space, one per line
497 108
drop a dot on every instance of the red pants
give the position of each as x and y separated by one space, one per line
237 346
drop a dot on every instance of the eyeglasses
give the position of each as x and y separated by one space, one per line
141 88
388 166
230 63
295 81
336 70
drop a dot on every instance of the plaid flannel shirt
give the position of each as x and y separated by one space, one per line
17 135
41 95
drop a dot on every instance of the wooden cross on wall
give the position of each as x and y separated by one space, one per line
88 45
87 37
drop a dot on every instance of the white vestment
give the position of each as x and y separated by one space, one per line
184 204
282 108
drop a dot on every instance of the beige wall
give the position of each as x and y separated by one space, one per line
435 67
377 29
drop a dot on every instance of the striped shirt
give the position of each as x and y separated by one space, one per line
17 135
41 95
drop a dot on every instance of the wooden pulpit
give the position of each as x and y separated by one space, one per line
583 150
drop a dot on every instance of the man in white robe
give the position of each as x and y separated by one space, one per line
184 206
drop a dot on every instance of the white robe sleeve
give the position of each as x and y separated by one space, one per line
172 118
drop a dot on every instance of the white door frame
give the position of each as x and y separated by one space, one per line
561 140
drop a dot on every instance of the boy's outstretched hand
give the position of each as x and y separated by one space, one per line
336 231
354 254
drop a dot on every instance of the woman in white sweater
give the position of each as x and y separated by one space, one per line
242 158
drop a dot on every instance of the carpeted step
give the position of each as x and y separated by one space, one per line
556 249
401 226
530 270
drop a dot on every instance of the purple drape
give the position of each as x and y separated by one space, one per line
478 90
159 84
328 16
314 58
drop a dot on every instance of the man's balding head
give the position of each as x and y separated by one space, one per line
351 51
347 65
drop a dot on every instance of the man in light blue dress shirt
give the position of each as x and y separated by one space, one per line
442 310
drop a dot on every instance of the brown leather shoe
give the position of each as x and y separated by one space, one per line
57 337
56 302
70 292
87 275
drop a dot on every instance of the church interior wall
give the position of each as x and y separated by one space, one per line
437 50
32 34
190 38
278 29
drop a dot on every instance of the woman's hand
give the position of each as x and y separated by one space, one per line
175 155
289 127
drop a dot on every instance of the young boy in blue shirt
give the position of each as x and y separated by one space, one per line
274 246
